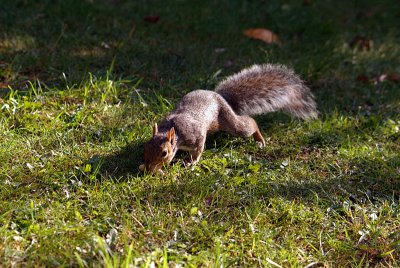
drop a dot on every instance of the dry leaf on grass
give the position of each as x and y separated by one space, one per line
361 43
3 85
264 35
152 18
363 79
378 79
394 78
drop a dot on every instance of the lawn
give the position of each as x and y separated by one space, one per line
82 83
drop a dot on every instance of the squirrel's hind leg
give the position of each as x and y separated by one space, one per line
241 125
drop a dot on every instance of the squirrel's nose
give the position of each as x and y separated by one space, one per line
151 169
142 167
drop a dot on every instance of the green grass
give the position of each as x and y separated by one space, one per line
82 82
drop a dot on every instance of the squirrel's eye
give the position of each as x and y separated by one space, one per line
164 153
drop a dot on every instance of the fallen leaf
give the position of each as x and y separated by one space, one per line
4 85
262 34
394 78
363 79
361 43
152 18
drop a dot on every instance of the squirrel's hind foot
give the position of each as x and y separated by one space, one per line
259 139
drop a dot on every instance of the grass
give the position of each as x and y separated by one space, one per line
82 82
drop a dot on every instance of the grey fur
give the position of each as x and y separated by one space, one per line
267 88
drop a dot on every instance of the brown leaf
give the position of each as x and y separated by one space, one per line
361 43
363 79
152 18
262 34
394 78
4 85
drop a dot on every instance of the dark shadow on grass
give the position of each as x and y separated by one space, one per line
362 179
120 164
370 182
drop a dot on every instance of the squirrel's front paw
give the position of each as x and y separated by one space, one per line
187 163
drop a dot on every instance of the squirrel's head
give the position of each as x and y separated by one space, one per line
158 151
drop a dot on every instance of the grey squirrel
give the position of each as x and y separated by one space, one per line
255 90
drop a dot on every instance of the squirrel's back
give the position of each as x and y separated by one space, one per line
267 88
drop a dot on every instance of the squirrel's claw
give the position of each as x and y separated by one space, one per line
187 163
260 144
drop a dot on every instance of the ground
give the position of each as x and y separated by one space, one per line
82 83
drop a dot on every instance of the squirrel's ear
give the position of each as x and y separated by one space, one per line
155 129
171 135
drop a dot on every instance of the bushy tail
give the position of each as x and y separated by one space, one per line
267 88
